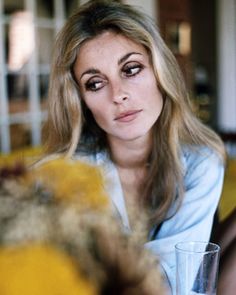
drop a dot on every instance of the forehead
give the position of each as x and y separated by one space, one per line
107 45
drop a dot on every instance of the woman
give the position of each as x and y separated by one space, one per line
117 98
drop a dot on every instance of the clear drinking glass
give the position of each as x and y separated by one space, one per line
197 266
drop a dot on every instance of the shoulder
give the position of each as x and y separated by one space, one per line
200 157
202 166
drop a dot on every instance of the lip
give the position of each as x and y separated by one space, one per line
127 116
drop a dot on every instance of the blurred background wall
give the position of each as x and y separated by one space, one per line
201 34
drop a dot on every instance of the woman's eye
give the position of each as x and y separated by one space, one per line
94 85
132 69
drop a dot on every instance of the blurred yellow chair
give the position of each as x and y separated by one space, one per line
227 202
228 198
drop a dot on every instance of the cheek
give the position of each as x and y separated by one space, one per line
156 99
98 113
96 106
159 100
160 107
156 107
90 104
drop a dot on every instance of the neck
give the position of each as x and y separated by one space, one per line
130 154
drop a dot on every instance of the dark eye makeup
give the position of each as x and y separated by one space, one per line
94 84
129 70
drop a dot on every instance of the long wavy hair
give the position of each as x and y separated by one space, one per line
70 123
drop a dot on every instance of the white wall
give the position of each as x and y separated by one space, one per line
227 64
148 6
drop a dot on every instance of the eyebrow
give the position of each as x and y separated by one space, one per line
120 61
126 56
90 71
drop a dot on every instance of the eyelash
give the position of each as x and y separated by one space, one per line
128 67
90 84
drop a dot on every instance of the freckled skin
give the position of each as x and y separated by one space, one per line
118 85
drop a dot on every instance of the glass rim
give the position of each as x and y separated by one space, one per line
215 247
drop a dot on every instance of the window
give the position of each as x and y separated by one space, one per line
27 31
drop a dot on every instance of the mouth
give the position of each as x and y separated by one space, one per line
127 116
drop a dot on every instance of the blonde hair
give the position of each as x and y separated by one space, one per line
177 126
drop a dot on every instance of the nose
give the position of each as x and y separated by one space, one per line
119 94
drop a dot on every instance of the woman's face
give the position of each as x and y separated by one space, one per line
118 85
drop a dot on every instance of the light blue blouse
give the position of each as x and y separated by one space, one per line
203 181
